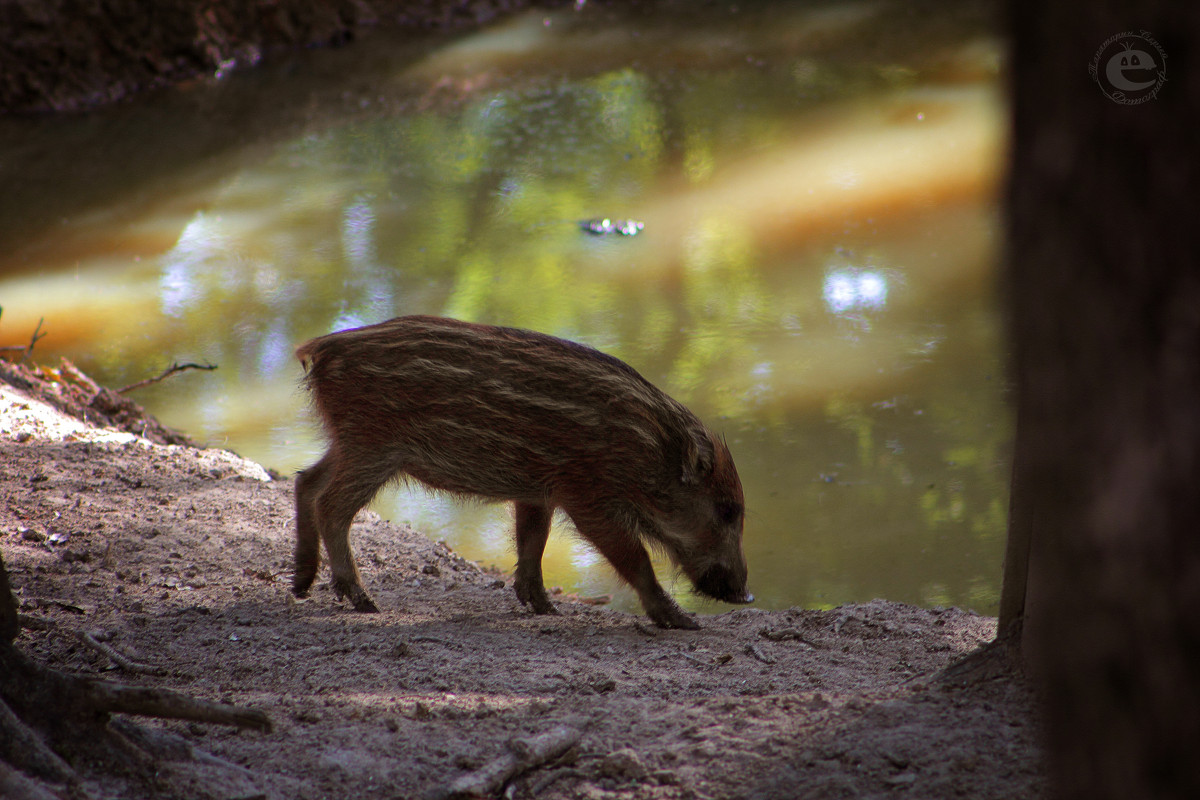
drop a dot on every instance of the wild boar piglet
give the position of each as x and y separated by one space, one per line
512 415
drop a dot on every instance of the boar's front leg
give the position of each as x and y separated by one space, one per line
626 553
533 528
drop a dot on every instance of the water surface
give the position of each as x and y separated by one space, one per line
818 186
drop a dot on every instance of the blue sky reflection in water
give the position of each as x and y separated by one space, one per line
847 290
818 186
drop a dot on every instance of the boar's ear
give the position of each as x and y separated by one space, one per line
697 456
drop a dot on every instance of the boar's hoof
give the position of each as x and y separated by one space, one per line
669 615
366 605
302 581
544 608
358 598
534 595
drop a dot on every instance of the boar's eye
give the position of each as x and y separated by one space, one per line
728 513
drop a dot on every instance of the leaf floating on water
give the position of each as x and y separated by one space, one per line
606 226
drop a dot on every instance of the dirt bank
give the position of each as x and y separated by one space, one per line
68 55
179 557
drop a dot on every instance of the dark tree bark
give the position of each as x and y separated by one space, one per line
1104 292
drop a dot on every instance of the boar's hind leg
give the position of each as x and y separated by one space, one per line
309 484
627 554
533 528
345 491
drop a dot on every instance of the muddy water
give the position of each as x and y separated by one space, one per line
818 188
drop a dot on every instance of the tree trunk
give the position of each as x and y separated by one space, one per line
1104 294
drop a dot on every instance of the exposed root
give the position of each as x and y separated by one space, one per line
50 720
95 640
524 754
999 658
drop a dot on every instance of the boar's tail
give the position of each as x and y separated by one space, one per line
311 357
305 353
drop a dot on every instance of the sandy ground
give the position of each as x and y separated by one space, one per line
179 558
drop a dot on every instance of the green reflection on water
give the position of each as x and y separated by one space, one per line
848 349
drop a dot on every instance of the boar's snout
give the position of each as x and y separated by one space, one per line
722 583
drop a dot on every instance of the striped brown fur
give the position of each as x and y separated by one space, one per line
507 414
